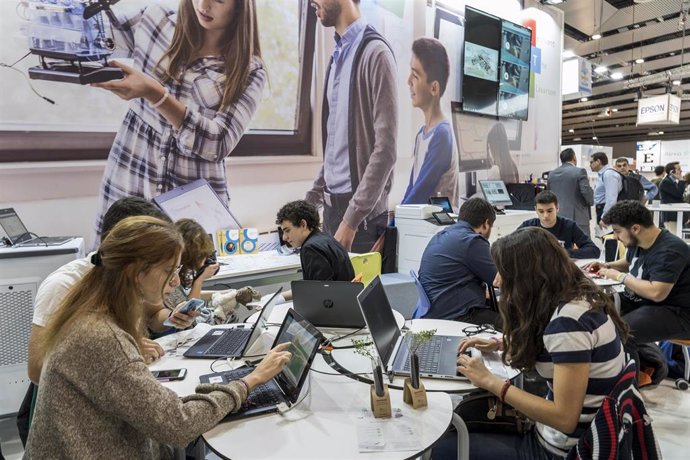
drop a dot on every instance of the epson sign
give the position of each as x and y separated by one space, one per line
658 110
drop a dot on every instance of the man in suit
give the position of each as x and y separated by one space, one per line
571 186
671 189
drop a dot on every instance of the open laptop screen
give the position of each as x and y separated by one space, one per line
304 343
13 226
378 315
197 201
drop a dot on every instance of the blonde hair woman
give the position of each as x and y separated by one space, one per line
195 84
97 398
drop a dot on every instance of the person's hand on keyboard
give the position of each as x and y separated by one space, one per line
269 367
481 344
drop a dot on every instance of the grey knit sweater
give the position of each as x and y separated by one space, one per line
97 399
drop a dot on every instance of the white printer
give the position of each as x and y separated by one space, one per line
416 211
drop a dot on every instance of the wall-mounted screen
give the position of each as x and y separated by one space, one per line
449 29
481 62
513 95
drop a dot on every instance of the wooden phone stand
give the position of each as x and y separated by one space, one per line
415 397
380 405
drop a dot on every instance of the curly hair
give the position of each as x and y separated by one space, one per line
296 211
536 276
628 213
197 243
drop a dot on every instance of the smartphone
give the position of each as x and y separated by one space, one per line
192 305
170 375
443 218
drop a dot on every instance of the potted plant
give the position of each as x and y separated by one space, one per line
379 396
414 392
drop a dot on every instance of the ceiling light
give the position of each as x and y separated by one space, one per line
596 36
616 76
552 2
571 130
583 99
660 132
614 110
600 69
639 61
660 19
594 138
577 138
676 82
567 54
636 26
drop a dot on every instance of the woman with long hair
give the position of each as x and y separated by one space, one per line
557 321
97 398
498 150
195 84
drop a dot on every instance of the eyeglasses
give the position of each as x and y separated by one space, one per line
469 331
171 277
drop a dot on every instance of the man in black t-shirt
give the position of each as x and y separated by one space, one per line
572 238
655 272
321 256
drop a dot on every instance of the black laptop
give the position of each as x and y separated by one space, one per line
328 303
232 343
285 387
18 234
437 357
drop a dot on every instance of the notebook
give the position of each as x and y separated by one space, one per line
19 236
437 357
286 386
232 343
328 303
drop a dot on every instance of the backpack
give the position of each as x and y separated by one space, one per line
632 188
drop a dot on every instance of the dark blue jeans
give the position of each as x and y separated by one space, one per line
494 446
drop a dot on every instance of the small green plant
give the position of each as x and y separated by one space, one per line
417 339
364 348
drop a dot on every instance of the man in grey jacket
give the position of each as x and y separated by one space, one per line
359 127
571 186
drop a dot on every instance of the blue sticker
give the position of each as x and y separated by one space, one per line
536 60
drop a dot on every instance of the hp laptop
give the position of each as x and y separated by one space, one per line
286 386
20 236
231 343
437 357
328 303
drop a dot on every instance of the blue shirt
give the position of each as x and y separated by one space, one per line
455 265
336 168
650 189
607 188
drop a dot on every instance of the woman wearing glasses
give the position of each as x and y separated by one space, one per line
97 398
555 320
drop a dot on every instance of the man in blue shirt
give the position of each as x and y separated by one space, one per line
572 238
457 265
650 189
609 184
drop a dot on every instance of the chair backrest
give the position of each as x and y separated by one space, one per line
613 249
621 427
368 264
492 297
423 303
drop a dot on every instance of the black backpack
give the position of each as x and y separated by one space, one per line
632 188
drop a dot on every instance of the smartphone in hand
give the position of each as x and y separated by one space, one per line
192 305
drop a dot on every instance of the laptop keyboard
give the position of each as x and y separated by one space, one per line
229 344
261 396
429 354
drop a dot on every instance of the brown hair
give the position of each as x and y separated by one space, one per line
197 244
536 276
241 45
134 245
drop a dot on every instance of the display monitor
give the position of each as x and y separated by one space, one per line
481 62
449 29
495 192
513 90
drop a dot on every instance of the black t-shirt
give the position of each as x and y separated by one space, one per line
667 261
324 259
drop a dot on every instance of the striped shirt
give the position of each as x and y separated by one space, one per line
149 156
576 334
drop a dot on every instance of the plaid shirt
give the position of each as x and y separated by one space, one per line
149 156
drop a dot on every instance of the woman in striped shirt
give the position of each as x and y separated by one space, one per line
195 85
557 322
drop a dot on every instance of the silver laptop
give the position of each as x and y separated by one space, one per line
18 234
437 357
328 303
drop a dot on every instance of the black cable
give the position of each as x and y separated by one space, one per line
2 64
338 373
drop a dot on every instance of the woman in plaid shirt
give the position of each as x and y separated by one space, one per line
196 82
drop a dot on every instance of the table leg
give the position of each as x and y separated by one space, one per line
463 437
679 225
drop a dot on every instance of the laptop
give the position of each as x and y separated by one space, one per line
232 343
285 387
19 236
437 357
328 303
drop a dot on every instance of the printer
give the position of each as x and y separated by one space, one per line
416 211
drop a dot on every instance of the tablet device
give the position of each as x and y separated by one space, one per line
443 218
442 201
